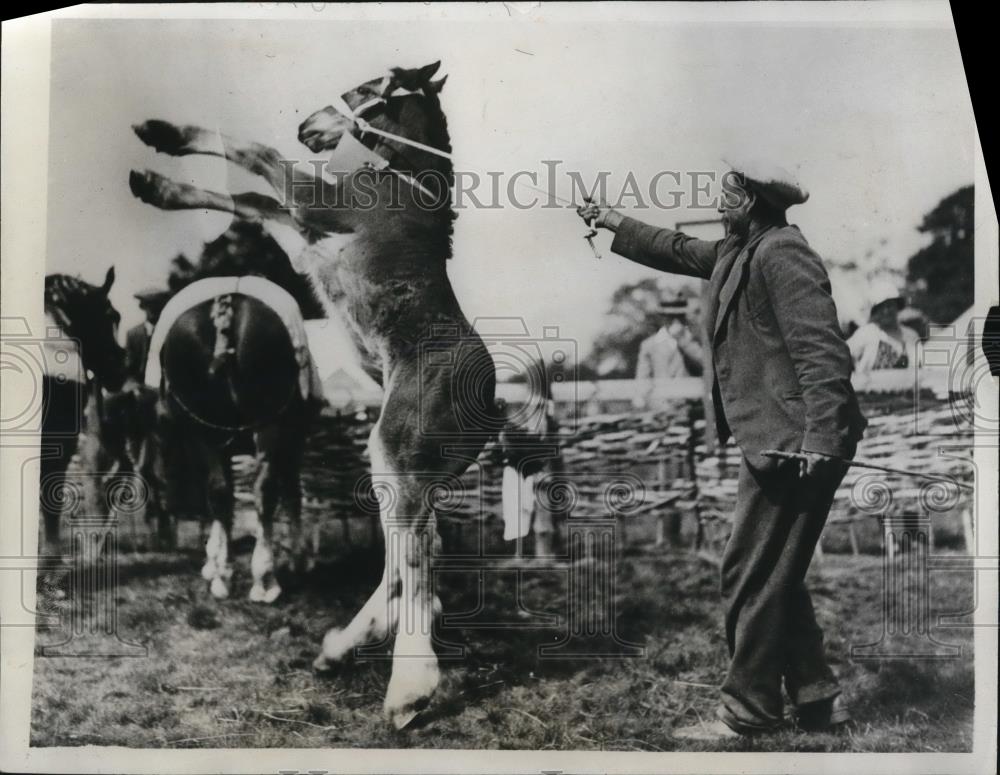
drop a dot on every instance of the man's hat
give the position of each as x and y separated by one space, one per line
883 291
151 294
677 308
774 183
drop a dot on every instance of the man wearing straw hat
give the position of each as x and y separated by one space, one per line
782 382
669 353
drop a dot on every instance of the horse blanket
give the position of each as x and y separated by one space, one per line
271 294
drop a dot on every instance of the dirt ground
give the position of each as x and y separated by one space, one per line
238 674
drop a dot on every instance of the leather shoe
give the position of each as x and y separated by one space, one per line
706 732
824 715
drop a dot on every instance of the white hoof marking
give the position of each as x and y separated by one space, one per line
258 593
219 589
410 688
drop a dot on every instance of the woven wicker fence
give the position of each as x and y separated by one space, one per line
654 474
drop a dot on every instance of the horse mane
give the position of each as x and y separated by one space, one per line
438 137
65 292
62 287
245 248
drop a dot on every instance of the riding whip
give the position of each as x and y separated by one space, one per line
774 453
589 236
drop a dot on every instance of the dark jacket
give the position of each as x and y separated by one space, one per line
782 368
136 350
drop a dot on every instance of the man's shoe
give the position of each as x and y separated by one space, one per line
824 715
706 732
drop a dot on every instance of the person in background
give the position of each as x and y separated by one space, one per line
671 352
528 448
883 342
782 381
151 302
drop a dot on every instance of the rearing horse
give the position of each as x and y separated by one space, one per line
378 242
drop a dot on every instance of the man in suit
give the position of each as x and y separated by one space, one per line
782 381
671 352
151 301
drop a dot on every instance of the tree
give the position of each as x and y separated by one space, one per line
630 319
941 277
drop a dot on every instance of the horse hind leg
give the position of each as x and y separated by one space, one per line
217 569
265 587
378 616
410 545
304 552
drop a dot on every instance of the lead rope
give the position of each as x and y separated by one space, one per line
354 116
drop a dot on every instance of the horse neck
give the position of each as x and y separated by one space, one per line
93 410
415 161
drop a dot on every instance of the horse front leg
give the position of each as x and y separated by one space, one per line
285 177
160 191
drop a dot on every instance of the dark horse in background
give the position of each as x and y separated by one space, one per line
229 381
377 242
73 417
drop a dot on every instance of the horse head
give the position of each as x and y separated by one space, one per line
403 103
85 314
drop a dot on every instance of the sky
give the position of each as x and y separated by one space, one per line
875 121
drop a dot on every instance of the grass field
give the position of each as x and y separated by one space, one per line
236 674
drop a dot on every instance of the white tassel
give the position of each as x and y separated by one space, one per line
515 505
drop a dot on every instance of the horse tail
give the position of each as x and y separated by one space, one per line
224 351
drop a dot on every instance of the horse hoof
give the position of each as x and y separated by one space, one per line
219 589
402 719
160 135
258 594
410 691
143 185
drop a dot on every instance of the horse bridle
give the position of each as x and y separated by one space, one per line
65 323
356 117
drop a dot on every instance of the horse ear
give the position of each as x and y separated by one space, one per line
410 78
435 87
109 280
425 73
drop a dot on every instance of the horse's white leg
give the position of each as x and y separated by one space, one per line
378 615
415 671
217 570
265 588
371 623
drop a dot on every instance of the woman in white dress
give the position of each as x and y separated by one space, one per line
883 342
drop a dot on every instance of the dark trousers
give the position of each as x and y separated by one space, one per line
771 627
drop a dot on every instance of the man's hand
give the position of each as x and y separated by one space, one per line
601 215
679 331
819 467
